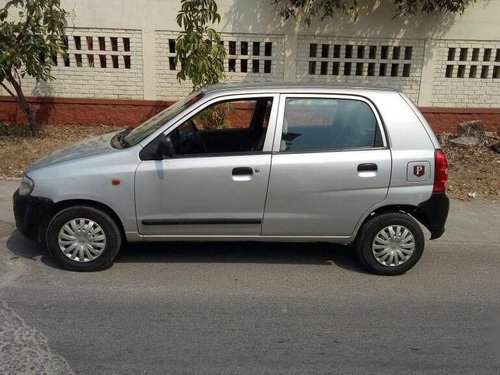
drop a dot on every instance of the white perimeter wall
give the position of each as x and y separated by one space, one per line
123 49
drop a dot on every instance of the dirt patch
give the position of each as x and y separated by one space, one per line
18 149
471 170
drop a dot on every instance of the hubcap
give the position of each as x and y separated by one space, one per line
393 245
81 240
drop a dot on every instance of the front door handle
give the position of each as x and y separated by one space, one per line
242 171
367 167
242 174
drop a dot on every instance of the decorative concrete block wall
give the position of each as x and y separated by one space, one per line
395 63
100 63
467 74
250 58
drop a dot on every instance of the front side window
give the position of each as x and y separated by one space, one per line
312 124
227 127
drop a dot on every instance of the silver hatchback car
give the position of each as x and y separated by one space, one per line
281 162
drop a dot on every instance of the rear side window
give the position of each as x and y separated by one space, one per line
313 124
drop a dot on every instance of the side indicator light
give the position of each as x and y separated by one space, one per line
116 181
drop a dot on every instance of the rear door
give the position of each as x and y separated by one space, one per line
330 164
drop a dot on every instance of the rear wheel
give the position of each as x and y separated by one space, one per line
83 238
390 243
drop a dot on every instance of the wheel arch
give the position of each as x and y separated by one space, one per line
62 205
414 211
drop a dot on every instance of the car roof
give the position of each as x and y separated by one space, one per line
289 87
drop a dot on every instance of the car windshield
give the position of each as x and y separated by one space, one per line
148 127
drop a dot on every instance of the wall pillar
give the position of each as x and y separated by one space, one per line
428 68
290 73
149 63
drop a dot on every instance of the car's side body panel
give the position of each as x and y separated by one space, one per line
409 142
91 179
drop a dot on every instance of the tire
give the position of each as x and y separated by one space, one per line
399 259
93 251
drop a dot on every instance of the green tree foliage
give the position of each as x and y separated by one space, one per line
31 33
199 47
327 8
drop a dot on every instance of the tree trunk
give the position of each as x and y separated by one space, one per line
22 102
26 108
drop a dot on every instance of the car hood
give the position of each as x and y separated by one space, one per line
89 147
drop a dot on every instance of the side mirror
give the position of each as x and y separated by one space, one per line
166 147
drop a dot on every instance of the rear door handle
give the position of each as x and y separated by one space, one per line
242 171
367 167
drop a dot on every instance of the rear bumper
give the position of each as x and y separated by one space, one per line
435 212
31 214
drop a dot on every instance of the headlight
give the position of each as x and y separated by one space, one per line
26 186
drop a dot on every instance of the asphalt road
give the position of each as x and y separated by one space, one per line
255 308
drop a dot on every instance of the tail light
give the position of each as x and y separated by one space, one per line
440 172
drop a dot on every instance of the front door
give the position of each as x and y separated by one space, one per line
330 165
216 183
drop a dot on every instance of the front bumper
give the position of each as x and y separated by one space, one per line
31 214
434 213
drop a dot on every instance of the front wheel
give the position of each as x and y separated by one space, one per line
390 243
83 238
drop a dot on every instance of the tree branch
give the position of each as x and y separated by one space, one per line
14 83
8 90
19 82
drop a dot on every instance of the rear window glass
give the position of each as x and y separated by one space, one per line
328 124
